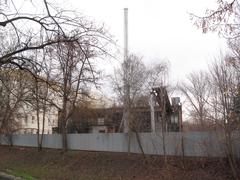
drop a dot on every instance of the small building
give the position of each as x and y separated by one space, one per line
28 122
143 118
18 109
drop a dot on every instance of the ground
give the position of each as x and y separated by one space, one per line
28 163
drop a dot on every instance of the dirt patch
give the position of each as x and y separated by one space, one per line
53 164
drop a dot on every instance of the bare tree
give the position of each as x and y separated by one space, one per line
30 31
197 92
224 19
42 94
138 80
128 83
75 71
212 98
71 64
225 81
13 94
39 28
157 75
72 40
161 96
134 80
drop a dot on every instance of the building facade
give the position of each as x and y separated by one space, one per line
143 118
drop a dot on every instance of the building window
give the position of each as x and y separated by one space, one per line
174 119
26 119
33 118
100 121
18 116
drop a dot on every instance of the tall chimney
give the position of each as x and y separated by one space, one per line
125 34
126 103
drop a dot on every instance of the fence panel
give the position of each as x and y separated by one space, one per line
195 143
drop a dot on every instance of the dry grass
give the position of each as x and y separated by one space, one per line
53 164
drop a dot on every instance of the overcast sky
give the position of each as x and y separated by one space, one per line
158 30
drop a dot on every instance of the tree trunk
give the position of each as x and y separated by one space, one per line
43 126
163 124
230 154
140 144
129 142
183 150
38 129
64 139
38 132
63 123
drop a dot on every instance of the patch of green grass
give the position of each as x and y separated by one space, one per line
20 173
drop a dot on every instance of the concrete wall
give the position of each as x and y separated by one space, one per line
195 143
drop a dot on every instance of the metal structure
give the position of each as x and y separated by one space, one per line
170 118
125 34
126 105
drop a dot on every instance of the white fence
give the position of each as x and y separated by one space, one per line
194 143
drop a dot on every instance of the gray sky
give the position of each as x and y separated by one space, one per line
158 30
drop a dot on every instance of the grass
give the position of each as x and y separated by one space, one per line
51 164
20 173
